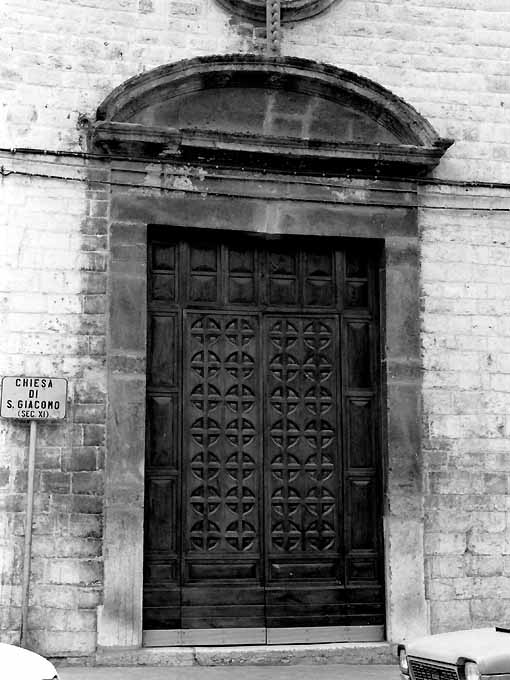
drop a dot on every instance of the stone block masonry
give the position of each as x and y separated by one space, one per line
58 60
465 436
54 76
52 282
466 445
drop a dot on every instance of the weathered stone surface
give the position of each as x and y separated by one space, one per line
47 202
191 211
128 301
360 653
121 616
124 465
226 110
242 656
407 617
146 657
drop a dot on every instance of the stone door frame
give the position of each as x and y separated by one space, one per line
144 193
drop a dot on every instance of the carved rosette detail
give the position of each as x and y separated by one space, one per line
223 482
302 435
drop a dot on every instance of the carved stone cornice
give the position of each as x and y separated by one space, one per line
155 116
268 153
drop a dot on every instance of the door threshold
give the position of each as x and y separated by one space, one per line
347 653
261 636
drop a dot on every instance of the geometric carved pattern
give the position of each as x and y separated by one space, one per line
302 385
222 485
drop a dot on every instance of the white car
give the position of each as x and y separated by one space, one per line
20 664
482 654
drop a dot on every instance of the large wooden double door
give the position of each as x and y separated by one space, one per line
263 463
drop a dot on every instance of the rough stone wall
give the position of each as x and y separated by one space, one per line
466 436
451 60
52 322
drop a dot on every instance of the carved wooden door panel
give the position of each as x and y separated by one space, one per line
303 470
222 582
263 465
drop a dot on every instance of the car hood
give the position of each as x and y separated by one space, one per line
488 647
19 663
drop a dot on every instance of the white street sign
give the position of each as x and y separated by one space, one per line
33 398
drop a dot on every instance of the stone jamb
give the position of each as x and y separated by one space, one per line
120 617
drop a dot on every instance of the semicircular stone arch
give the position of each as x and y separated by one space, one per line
267 111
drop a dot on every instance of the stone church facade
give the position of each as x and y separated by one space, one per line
266 245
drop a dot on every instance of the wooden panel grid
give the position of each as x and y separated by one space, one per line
263 469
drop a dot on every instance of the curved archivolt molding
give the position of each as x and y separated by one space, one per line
271 112
292 10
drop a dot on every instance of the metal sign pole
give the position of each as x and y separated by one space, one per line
31 398
27 553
